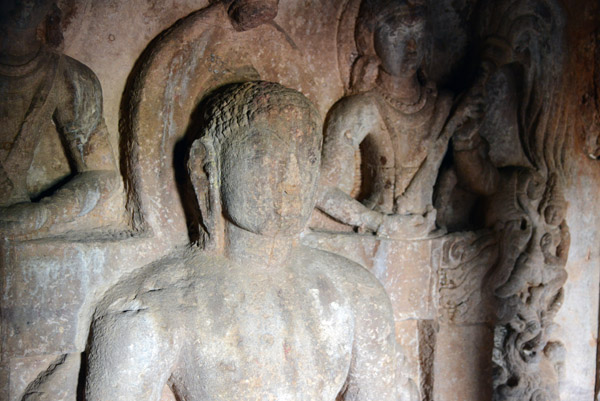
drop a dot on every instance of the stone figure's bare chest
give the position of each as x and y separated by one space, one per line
411 134
279 344
15 105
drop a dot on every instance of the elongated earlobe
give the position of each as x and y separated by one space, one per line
205 178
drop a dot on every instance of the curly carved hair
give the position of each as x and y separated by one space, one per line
237 106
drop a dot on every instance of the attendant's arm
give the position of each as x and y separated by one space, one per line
348 123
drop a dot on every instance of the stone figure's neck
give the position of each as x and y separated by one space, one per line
18 47
406 89
251 249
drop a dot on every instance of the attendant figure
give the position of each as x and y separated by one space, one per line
56 163
398 117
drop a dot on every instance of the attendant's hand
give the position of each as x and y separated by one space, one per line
408 226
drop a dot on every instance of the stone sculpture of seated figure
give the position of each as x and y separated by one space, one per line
58 172
260 317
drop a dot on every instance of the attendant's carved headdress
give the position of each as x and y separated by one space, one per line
228 112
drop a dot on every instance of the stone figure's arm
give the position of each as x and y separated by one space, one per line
348 123
130 357
80 121
372 374
78 118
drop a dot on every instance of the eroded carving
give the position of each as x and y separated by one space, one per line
260 315
57 165
395 121
514 159
527 281
464 260
506 178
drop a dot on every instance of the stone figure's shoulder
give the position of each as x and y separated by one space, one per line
441 102
358 100
80 108
359 106
156 286
74 72
347 273
444 100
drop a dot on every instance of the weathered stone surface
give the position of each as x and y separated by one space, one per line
250 311
53 134
462 262
394 120
578 317
49 293
464 373
527 115
403 267
23 371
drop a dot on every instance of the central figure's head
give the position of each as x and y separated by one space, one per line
260 153
392 31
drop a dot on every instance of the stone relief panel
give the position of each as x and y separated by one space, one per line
385 142
60 188
519 175
445 180
510 121
61 355
528 208
396 124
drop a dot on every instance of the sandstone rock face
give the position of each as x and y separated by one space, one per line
274 199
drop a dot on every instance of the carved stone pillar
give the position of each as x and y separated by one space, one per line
465 337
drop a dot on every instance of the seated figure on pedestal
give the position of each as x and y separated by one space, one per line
400 120
56 164
255 315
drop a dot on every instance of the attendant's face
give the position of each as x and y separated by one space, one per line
269 175
399 43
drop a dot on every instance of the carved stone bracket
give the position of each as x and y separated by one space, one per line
464 260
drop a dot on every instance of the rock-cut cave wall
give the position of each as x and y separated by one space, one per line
440 200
